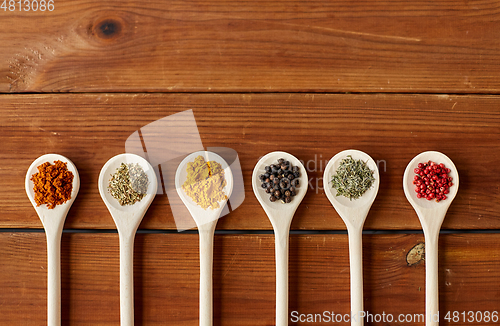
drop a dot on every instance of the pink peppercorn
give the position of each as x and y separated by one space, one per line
432 181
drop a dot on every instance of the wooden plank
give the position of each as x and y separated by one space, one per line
166 277
278 46
89 129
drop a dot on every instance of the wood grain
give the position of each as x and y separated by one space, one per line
227 46
166 277
89 129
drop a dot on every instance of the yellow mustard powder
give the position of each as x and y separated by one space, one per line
205 183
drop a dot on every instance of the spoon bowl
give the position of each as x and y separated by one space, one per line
353 213
51 217
53 223
206 221
281 216
127 219
420 204
118 212
431 215
202 216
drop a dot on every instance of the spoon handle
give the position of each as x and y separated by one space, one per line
356 269
281 251
126 279
54 278
206 234
431 279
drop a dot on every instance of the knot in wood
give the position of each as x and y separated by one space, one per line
107 28
416 255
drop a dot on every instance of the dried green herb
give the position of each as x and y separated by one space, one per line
129 184
353 178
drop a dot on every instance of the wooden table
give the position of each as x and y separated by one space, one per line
392 79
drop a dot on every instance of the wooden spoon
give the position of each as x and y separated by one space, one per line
280 216
127 219
53 222
353 213
431 215
206 220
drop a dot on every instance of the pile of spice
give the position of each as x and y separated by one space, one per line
353 178
205 183
129 184
432 181
52 184
281 181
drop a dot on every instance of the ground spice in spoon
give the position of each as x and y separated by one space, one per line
205 183
52 184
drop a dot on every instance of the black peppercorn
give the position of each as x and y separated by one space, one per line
280 180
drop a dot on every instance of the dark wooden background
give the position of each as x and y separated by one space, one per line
311 78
